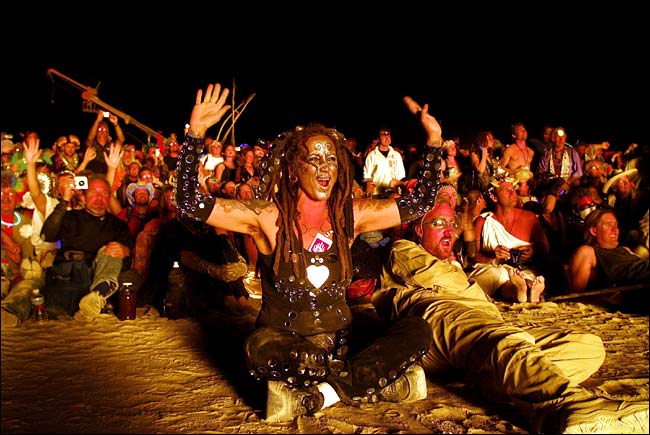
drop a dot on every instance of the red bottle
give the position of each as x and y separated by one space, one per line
127 303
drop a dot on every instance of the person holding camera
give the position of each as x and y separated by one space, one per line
99 139
95 248
508 240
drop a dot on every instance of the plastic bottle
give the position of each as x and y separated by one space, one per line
127 302
38 306
175 306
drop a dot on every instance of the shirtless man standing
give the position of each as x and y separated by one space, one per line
517 157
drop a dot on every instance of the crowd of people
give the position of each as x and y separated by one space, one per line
444 231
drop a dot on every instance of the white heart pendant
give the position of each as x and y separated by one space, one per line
317 275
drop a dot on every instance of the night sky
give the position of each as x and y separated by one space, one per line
347 71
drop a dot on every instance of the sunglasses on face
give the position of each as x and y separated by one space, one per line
441 223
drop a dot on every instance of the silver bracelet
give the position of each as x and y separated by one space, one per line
194 135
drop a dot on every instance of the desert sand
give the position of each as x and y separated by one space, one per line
156 375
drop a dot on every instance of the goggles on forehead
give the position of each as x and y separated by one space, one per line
583 212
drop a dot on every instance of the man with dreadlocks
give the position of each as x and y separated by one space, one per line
303 221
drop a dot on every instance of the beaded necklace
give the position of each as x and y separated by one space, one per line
68 164
563 166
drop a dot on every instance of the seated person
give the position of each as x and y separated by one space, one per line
538 369
214 272
139 211
602 263
630 204
43 199
508 240
95 249
20 271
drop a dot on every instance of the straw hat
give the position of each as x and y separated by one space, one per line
614 179
132 187
8 146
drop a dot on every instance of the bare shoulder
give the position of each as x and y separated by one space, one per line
526 214
584 252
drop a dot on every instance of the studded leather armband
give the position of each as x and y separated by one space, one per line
423 196
190 200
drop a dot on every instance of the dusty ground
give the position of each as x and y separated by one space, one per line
154 375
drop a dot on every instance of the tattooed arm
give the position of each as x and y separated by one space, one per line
253 216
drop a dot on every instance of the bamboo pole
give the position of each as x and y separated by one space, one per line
239 112
234 118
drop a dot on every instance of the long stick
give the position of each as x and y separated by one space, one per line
604 291
90 94
232 126
219 137
234 116
239 112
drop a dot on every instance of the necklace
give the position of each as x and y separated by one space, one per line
67 163
524 154
11 224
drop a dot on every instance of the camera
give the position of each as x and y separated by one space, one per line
107 114
515 257
80 182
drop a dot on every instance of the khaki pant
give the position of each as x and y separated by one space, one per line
532 367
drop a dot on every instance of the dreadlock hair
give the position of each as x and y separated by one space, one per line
288 149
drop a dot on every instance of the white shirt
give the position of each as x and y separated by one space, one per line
382 170
210 162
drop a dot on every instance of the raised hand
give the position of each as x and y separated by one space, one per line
114 154
430 124
90 154
32 151
208 109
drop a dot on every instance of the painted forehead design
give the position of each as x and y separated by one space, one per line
323 146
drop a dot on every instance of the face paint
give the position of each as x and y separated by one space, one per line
318 171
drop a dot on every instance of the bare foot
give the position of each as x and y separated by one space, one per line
537 287
519 283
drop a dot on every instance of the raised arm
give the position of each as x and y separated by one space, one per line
93 128
372 215
233 215
113 159
118 129
31 154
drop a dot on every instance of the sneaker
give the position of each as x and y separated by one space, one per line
106 289
600 415
90 306
409 387
284 402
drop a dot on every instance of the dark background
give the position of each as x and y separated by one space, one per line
477 68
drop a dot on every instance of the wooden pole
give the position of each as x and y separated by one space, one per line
604 291
90 94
